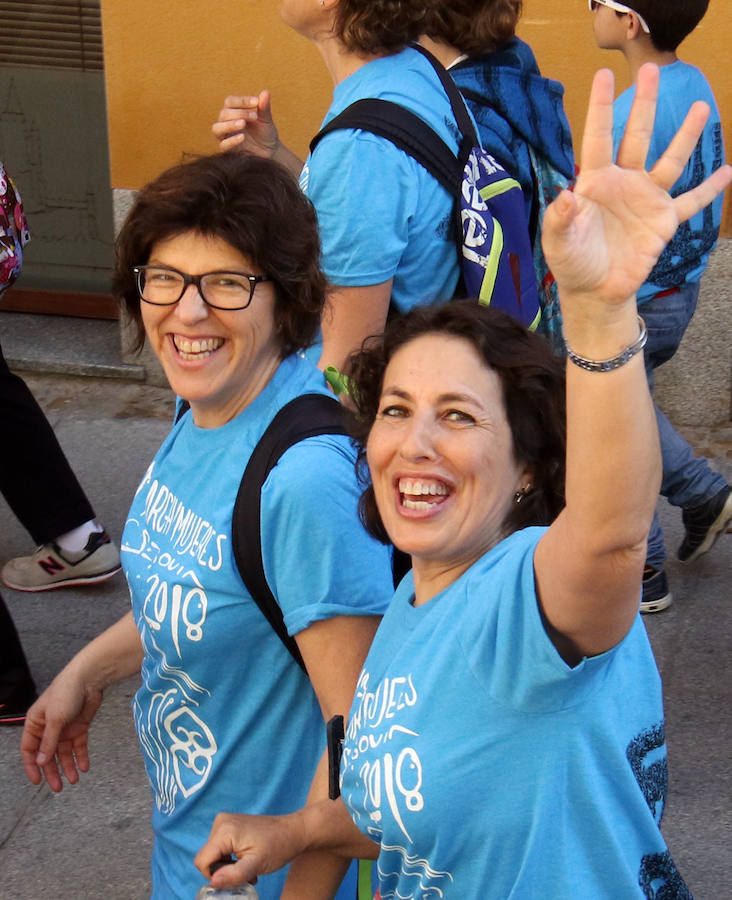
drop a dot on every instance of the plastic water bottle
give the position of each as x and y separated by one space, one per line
242 891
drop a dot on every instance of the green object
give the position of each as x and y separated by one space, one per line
365 888
340 383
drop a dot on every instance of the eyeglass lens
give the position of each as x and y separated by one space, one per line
225 290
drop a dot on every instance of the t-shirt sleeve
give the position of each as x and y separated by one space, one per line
318 559
365 191
506 643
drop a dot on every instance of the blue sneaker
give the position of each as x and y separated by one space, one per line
656 595
704 524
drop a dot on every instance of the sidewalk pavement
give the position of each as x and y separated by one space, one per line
93 840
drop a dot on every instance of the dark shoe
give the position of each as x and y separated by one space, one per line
14 707
704 524
656 595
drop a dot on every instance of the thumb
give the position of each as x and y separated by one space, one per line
558 219
243 871
562 211
264 106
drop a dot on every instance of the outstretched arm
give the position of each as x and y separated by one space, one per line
320 838
601 243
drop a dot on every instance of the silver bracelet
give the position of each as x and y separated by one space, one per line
608 365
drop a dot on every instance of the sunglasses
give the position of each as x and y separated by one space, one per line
621 8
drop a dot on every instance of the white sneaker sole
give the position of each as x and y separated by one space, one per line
717 528
67 582
654 606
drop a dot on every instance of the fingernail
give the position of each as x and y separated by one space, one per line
41 759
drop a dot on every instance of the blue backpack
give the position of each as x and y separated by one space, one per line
490 228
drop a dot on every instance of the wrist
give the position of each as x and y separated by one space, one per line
599 331
279 150
609 364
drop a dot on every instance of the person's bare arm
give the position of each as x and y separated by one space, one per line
601 242
333 651
351 315
56 728
245 123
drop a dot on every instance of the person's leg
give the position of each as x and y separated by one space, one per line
688 481
17 690
666 318
43 492
35 476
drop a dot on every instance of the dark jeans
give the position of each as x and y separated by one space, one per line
14 672
688 480
35 476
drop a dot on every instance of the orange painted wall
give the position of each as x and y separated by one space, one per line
169 64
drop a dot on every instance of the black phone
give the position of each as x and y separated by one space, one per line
335 733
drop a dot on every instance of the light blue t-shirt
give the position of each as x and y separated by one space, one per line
685 257
226 719
381 214
487 768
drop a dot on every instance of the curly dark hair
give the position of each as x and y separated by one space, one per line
473 26
257 207
670 21
379 27
532 380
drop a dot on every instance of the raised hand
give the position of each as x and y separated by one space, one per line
246 123
605 237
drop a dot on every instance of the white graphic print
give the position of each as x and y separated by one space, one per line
179 744
386 771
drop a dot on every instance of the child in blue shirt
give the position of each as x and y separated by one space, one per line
651 31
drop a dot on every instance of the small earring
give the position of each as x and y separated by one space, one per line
519 495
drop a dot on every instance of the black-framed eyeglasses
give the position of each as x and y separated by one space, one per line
164 286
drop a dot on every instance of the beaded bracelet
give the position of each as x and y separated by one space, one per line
608 365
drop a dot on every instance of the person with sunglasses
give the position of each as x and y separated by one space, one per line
651 31
218 268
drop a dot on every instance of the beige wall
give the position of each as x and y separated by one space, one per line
169 64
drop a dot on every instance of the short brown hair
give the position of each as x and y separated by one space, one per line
532 382
472 26
379 27
253 204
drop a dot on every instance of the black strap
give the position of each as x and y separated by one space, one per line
405 130
305 416
459 109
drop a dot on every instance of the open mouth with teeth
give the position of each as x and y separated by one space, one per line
422 494
196 349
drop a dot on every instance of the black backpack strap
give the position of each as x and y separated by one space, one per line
182 409
305 416
459 109
405 130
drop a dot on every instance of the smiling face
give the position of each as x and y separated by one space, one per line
441 456
217 360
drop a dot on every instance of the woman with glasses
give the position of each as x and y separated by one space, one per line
217 266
